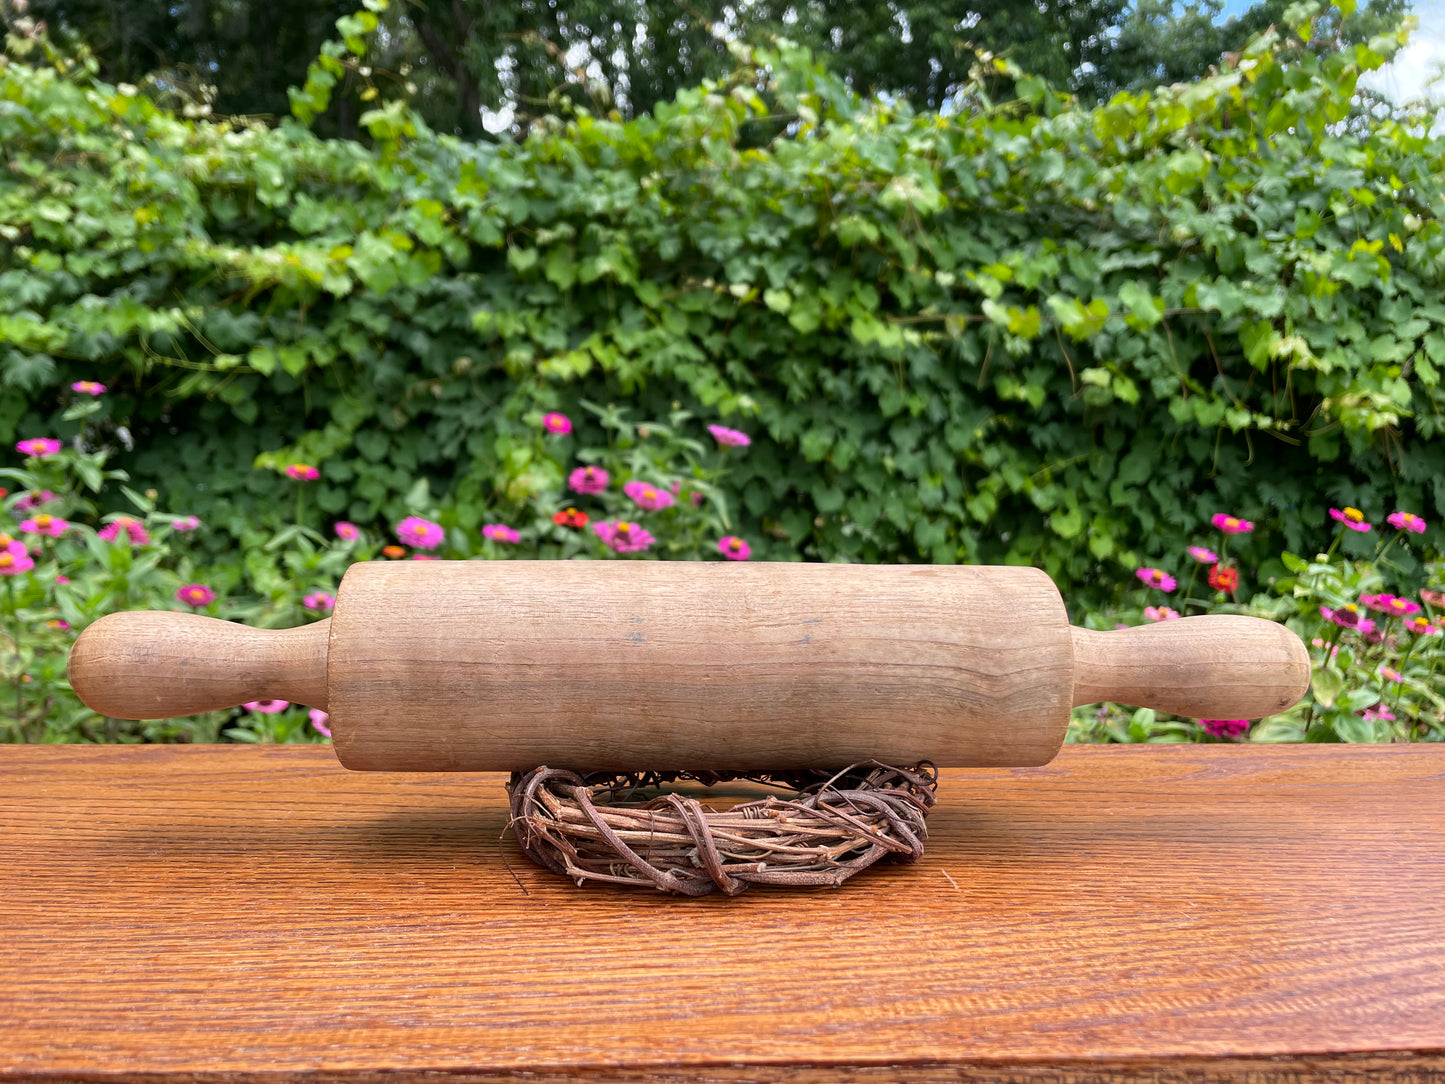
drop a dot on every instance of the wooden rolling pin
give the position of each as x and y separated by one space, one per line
631 665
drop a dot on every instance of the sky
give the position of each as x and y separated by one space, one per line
1420 61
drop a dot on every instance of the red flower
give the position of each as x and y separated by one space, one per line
570 518
1223 579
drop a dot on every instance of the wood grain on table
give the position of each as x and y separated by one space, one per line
1174 913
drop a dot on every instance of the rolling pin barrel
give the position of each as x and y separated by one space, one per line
635 665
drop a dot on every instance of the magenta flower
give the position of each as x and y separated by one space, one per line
347 532
195 595
648 496
1157 577
1406 521
1382 713
186 523
425 557
321 721
1203 556
267 707
1348 617
734 548
39 447
421 533
500 532
1160 613
1231 524
729 438
134 530
88 387
1421 626
62 579
45 524
1391 675
319 601
556 423
1352 518
623 536
302 472
34 500
1390 604
1225 728
57 623
588 480
14 557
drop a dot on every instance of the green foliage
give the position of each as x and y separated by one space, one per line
1031 332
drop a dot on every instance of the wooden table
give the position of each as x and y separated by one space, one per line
1152 912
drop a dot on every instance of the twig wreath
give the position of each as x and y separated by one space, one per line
626 829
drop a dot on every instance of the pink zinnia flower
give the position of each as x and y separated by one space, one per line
53 526
62 579
1319 643
1348 617
134 529
557 423
347 532
588 480
302 472
1379 713
1421 626
40 447
1406 521
1225 728
421 533
1232 524
648 496
1203 556
267 707
1160 613
1391 604
57 623
729 438
320 601
1391 675
34 500
321 721
186 523
734 548
195 595
500 532
425 557
88 387
14 558
1157 577
623 536
1352 518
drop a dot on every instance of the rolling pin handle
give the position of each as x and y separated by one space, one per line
146 664
1215 666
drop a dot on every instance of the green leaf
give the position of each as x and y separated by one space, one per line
1326 684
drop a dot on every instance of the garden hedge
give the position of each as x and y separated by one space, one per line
1021 332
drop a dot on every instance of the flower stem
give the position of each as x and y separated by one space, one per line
1334 545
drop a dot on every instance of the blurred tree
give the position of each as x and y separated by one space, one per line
475 65
1169 41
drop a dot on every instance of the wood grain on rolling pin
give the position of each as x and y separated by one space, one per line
511 664
1171 914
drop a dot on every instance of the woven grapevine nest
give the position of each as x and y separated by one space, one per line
628 829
